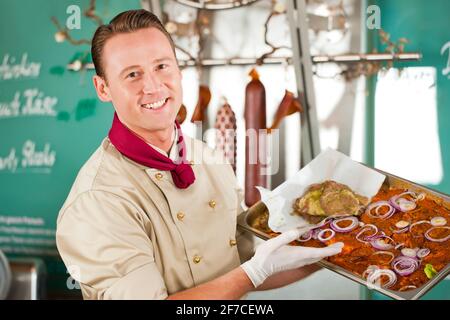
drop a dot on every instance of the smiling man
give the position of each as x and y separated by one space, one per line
152 213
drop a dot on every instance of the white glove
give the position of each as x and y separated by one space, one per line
275 255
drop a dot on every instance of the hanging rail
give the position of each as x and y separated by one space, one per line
205 4
343 59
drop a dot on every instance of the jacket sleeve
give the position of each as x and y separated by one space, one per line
104 243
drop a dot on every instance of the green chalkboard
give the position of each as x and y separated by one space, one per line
50 122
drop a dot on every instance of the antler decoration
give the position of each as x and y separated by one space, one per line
90 13
198 27
190 56
353 71
392 47
278 8
63 34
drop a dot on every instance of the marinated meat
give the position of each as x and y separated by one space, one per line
328 199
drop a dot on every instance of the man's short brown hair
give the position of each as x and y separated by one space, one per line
127 21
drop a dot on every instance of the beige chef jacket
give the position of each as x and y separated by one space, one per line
127 232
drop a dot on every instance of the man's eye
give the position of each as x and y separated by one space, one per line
133 74
162 66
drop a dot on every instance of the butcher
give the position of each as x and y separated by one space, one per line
152 213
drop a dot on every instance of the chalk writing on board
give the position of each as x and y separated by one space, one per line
27 231
12 68
22 220
31 160
27 235
30 102
446 70
27 241
28 250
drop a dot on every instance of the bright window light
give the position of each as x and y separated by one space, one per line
406 125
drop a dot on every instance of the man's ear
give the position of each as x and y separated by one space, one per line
102 88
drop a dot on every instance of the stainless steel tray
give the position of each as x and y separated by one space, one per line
247 218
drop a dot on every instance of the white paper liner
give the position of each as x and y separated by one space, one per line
328 165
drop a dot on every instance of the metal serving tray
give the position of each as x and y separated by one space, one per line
246 221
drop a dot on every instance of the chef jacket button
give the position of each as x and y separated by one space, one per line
212 204
197 259
180 215
158 176
232 242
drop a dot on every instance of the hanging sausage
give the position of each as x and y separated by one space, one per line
204 96
181 115
226 133
288 105
255 120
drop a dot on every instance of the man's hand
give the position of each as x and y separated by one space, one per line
274 256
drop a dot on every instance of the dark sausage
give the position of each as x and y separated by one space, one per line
255 118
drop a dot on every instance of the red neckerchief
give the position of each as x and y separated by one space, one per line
135 148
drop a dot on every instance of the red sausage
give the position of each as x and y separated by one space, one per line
255 118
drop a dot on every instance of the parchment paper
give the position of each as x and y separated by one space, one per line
328 165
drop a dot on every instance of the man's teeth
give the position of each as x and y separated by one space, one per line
154 105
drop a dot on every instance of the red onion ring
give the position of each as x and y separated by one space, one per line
323 222
377 205
315 232
408 252
380 244
402 204
402 224
417 223
411 193
306 236
422 253
376 275
354 223
364 229
404 266
369 270
385 252
400 230
434 239
399 245
406 288
438 221
376 236
321 233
